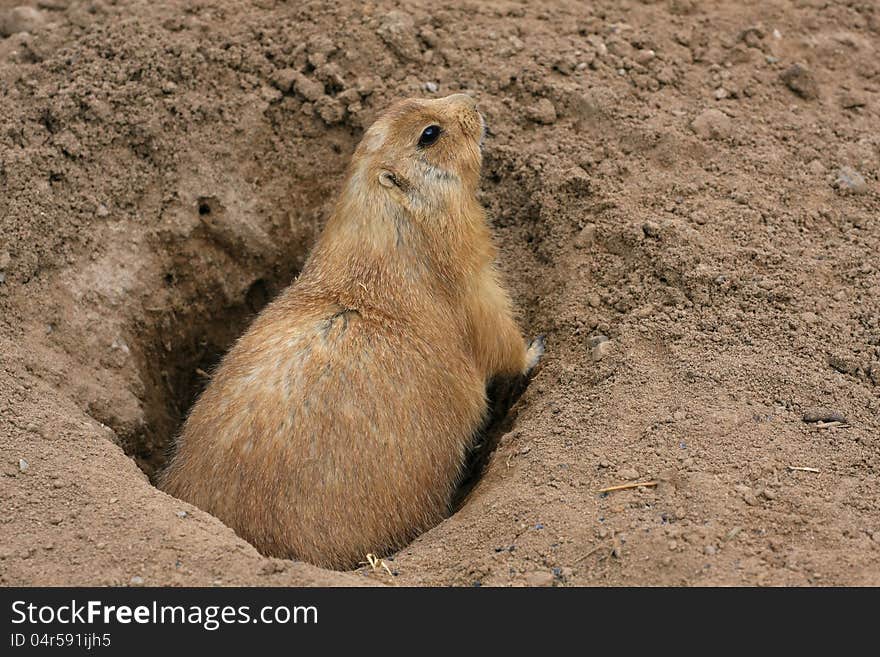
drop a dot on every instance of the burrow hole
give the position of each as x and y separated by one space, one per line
179 351
180 357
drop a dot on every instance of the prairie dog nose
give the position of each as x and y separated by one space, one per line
463 99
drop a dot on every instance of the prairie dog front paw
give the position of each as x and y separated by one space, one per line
533 354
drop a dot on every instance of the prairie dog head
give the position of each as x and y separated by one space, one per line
423 155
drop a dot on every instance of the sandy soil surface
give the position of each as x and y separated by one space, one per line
687 203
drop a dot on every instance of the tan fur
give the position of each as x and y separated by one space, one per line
338 423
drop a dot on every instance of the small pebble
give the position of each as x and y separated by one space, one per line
850 180
800 80
20 19
397 29
650 229
585 237
137 580
852 100
543 112
820 414
843 364
330 110
284 79
308 89
816 168
601 350
629 474
23 465
712 124
431 87
645 56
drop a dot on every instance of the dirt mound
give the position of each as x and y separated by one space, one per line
687 203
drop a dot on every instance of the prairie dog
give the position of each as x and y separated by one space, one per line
338 424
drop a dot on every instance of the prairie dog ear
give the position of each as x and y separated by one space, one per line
389 178
386 179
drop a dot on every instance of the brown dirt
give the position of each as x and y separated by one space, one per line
657 173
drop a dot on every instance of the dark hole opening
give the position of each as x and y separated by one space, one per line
502 397
180 353
257 296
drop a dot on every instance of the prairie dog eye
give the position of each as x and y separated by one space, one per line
429 135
